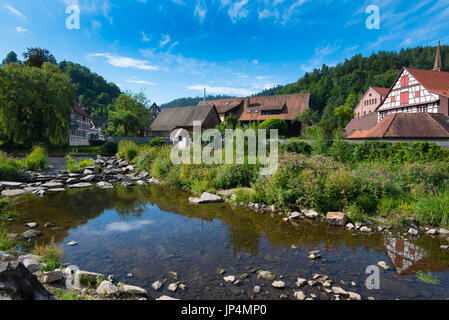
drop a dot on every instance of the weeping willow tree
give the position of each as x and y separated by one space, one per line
35 104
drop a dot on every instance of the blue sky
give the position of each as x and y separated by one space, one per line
174 48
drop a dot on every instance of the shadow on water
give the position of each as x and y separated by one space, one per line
149 231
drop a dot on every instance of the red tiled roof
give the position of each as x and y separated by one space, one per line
362 124
224 105
434 81
410 125
79 110
289 106
382 91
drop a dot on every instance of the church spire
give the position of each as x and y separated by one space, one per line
438 64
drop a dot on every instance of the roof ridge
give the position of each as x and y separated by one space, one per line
434 120
389 125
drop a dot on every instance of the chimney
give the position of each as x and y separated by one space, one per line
438 64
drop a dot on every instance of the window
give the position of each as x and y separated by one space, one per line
393 99
423 109
404 97
417 94
404 81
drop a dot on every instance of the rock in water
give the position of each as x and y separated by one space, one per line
156 285
19 283
172 287
107 288
266 275
229 278
133 289
299 295
336 218
5 256
382 265
278 284
72 243
311 214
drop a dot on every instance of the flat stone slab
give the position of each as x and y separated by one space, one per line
337 218
81 185
132 289
5 256
164 297
56 190
53 185
11 184
13 192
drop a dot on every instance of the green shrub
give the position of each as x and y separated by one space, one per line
9 167
299 147
235 175
37 159
318 140
340 149
109 148
127 149
157 142
145 159
434 209
279 124
51 255
78 167
6 243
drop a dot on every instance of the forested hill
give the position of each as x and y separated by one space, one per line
330 86
92 90
185 102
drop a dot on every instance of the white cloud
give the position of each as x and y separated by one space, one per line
200 10
14 10
20 29
128 226
145 38
238 11
165 39
125 62
222 90
137 81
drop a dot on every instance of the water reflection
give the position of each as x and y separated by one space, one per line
150 230
403 254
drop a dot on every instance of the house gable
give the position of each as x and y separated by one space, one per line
407 91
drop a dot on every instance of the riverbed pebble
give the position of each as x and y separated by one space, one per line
383 265
278 284
107 288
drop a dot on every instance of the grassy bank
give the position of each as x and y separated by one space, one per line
10 168
373 180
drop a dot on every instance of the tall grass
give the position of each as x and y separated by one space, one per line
6 244
9 167
36 159
434 209
128 150
77 167
51 255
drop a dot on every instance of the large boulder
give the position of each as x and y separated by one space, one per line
20 284
13 192
107 288
337 218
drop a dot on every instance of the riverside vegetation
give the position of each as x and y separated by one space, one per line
388 183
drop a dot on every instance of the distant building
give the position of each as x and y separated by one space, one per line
415 107
417 91
410 126
97 126
365 115
371 99
155 110
80 127
183 118
261 108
